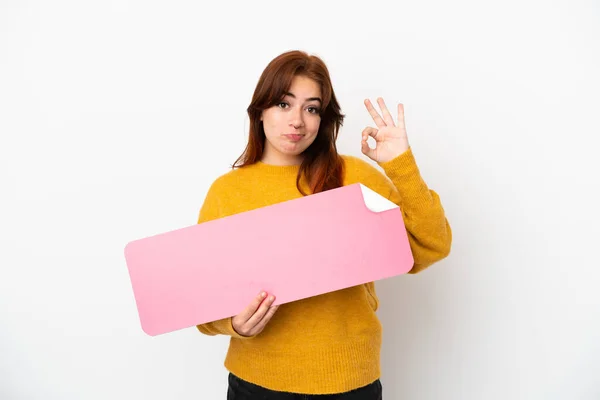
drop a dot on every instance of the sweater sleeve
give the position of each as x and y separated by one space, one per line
428 230
211 210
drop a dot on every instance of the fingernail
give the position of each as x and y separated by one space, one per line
271 298
263 294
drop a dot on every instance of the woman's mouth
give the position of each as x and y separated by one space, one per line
294 137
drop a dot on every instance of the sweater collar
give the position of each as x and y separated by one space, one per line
278 170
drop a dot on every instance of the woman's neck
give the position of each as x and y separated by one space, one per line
277 159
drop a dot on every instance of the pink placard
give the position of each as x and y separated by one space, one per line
294 249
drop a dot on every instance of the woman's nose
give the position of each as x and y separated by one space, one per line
296 118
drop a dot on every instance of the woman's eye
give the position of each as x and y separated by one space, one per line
312 110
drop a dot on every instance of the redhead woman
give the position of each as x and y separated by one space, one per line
326 346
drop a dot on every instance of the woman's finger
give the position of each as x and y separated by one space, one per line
389 120
370 131
260 313
365 148
263 322
376 117
401 122
245 315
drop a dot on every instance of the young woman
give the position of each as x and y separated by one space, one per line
327 344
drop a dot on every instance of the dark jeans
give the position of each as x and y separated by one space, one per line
242 390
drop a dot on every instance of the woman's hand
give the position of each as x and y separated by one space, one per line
255 317
390 139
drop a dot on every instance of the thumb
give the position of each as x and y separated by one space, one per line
365 148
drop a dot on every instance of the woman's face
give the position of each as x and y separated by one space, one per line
292 125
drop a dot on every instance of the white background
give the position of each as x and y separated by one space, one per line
116 116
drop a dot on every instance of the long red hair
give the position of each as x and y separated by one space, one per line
321 166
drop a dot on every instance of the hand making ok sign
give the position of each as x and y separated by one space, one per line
390 139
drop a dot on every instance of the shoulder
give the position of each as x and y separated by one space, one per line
225 181
219 194
356 161
360 170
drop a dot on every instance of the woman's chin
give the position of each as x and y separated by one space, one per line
294 150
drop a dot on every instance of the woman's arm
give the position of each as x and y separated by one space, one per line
429 232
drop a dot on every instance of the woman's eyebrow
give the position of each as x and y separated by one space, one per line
309 99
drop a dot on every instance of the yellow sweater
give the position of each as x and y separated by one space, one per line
328 343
